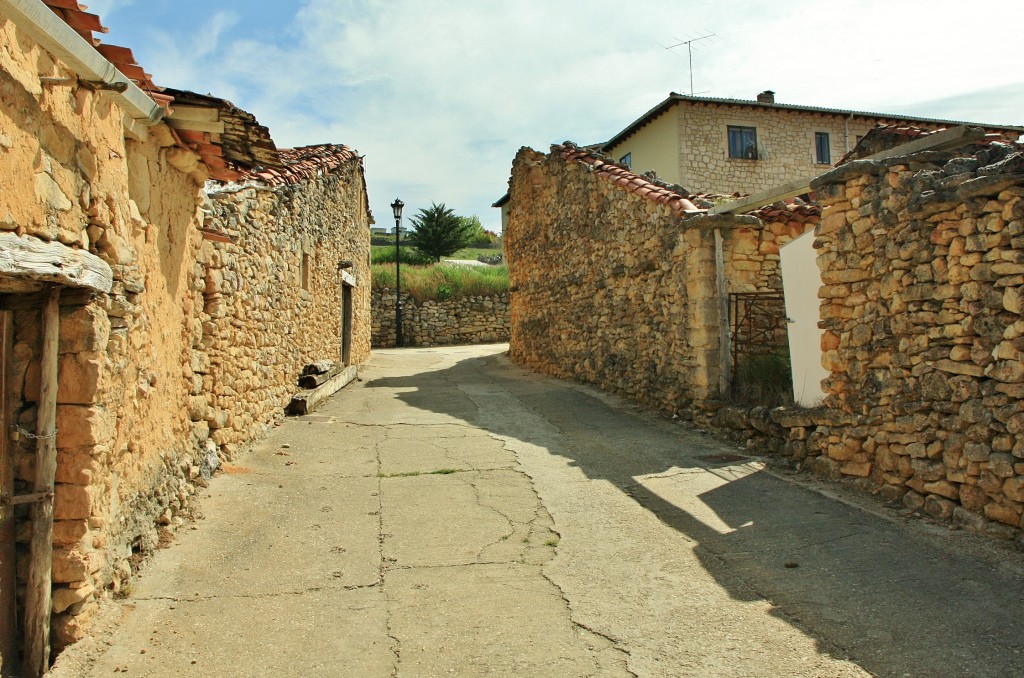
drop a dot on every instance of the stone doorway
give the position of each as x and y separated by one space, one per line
346 325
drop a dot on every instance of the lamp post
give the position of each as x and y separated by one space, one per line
396 207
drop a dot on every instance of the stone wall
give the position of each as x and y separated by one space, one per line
922 261
272 298
187 355
123 441
612 288
471 320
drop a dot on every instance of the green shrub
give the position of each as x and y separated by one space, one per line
411 256
444 292
763 380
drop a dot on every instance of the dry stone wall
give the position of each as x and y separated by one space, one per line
614 289
272 298
922 261
470 320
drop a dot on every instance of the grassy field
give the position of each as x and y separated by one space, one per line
440 282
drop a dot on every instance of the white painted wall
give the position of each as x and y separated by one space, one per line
800 282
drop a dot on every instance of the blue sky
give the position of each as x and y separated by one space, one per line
440 94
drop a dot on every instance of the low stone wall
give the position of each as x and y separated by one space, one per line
471 320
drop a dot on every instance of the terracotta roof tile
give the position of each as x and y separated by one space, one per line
676 198
681 201
302 163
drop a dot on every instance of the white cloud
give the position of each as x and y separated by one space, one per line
104 8
439 94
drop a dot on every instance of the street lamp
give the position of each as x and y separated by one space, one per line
396 207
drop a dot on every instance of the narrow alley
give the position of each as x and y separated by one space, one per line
451 514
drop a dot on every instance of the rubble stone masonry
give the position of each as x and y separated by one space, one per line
471 320
613 289
922 260
192 352
272 298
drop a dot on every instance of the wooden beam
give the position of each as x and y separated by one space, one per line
787 190
305 402
196 125
39 593
36 260
724 339
199 113
940 141
8 534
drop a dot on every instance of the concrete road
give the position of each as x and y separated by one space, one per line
453 515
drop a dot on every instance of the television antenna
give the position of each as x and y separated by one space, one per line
689 42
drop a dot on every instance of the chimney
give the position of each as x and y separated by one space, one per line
766 97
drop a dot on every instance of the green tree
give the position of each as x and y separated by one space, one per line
439 232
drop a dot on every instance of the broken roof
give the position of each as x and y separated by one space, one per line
228 140
885 118
299 164
682 202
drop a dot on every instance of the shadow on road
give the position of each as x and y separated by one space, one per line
895 601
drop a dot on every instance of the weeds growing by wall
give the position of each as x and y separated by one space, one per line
439 283
762 380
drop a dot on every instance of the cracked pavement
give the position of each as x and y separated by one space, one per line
450 514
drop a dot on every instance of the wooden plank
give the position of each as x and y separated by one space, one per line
724 339
38 593
319 367
196 125
32 259
305 402
199 113
311 381
8 553
787 190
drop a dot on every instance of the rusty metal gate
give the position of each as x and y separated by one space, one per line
758 326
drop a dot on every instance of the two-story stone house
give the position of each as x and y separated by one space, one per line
728 145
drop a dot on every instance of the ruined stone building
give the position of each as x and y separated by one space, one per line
729 145
617 280
151 323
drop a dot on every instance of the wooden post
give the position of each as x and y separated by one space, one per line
724 343
8 576
38 597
